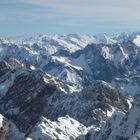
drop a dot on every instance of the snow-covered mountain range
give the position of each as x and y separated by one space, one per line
64 87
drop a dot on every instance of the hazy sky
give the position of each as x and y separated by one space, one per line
32 17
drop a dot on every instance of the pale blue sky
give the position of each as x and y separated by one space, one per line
33 17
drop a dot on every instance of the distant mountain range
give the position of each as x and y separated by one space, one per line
65 87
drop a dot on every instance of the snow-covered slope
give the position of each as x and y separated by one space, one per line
116 63
70 86
137 41
1 121
121 126
114 59
65 128
33 94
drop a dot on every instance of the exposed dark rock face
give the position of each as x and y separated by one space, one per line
4 67
32 94
4 127
120 126
106 94
26 93
23 101
110 61
88 107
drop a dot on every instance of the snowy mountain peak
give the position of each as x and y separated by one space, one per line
136 41
71 86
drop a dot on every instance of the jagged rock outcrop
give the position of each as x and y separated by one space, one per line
30 94
114 59
90 107
121 126
3 127
65 128
23 92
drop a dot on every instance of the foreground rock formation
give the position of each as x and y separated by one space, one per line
36 102
3 127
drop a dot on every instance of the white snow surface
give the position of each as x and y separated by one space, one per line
65 128
136 41
106 53
1 120
81 62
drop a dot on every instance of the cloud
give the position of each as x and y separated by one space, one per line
113 10
75 10
78 13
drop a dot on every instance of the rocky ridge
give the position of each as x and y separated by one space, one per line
58 87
